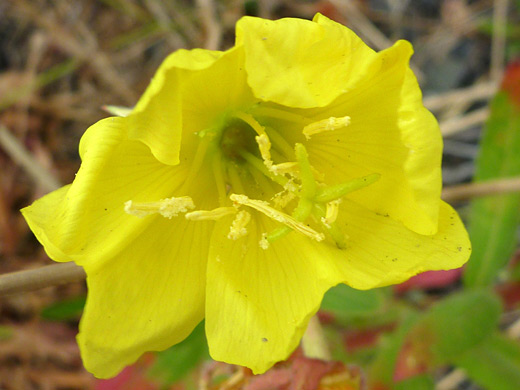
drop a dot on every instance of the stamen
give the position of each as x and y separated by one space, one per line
333 229
307 178
328 194
302 211
264 184
329 124
168 208
238 227
258 164
218 174
279 216
265 146
332 213
283 198
286 167
250 120
280 143
264 244
210 215
234 178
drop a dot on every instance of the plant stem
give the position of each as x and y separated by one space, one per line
35 279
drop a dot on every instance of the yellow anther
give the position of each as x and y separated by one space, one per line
287 167
329 124
212 215
332 213
279 216
264 244
168 208
265 149
283 198
238 227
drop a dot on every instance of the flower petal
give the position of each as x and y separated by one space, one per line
299 63
85 221
258 302
149 297
381 251
157 118
189 92
390 133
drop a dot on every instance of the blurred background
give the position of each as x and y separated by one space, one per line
61 61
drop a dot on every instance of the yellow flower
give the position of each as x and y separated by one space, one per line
243 186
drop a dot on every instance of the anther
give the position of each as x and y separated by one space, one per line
286 167
238 227
264 243
168 208
211 215
265 149
329 124
279 216
331 213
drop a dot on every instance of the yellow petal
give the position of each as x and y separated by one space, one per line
186 94
86 222
391 133
148 297
259 301
299 63
157 118
216 91
381 251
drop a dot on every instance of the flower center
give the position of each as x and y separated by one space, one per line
237 137
241 151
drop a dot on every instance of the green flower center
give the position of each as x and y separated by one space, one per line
237 137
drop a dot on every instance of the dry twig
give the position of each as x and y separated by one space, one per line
35 279
475 190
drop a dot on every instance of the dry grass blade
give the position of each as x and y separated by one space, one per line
498 44
212 27
471 94
21 156
99 62
457 124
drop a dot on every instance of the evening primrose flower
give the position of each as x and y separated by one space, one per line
245 184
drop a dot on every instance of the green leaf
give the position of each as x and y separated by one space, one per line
174 363
494 364
419 382
347 303
64 310
457 324
493 220
383 368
